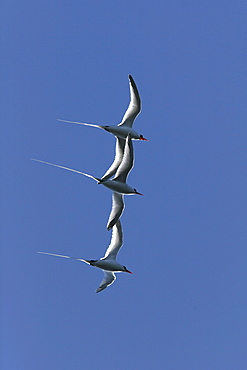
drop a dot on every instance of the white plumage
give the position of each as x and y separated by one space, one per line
125 126
118 184
108 263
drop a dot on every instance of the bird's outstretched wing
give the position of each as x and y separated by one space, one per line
119 153
127 162
134 107
109 278
66 168
116 242
116 210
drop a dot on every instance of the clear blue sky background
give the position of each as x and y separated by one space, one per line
185 305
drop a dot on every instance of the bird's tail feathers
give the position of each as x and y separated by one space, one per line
80 123
68 169
60 255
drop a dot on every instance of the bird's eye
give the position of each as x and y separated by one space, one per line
141 136
135 190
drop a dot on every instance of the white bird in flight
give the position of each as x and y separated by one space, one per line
125 126
118 184
107 263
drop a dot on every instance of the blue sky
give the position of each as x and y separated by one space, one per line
185 305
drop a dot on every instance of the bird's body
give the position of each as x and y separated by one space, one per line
125 126
118 187
108 263
123 131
